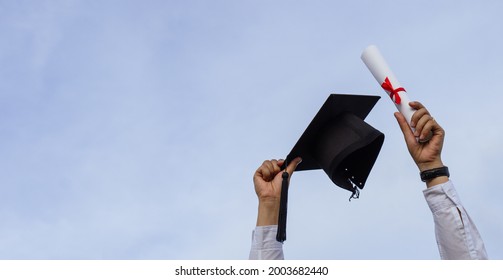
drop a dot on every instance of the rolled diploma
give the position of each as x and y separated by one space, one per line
379 68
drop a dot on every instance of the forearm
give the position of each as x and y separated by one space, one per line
264 244
268 212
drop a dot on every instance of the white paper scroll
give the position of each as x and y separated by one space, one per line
382 73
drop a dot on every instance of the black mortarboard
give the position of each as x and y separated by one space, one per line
340 142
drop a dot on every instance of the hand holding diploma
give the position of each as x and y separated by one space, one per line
385 77
426 155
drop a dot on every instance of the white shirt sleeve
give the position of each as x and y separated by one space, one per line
264 244
456 234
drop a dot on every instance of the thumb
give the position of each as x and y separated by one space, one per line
293 165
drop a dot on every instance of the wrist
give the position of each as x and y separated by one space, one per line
437 181
268 212
430 165
435 176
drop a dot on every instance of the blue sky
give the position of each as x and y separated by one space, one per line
132 129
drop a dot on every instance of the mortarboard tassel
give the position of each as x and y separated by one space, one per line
353 184
281 235
355 193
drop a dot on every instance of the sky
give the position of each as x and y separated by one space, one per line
132 129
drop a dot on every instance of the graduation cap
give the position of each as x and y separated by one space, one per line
340 142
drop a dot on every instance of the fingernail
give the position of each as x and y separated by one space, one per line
412 124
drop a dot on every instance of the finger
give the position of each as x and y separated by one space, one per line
425 118
426 132
275 167
416 105
410 139
265 171
416 117
293 165
435 128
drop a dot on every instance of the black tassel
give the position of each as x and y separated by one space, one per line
281 235
355 193
354 184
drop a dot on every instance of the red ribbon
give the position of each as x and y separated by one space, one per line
393 92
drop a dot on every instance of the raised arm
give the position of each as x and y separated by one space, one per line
456 234
267 180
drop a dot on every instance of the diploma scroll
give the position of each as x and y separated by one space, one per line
382 73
